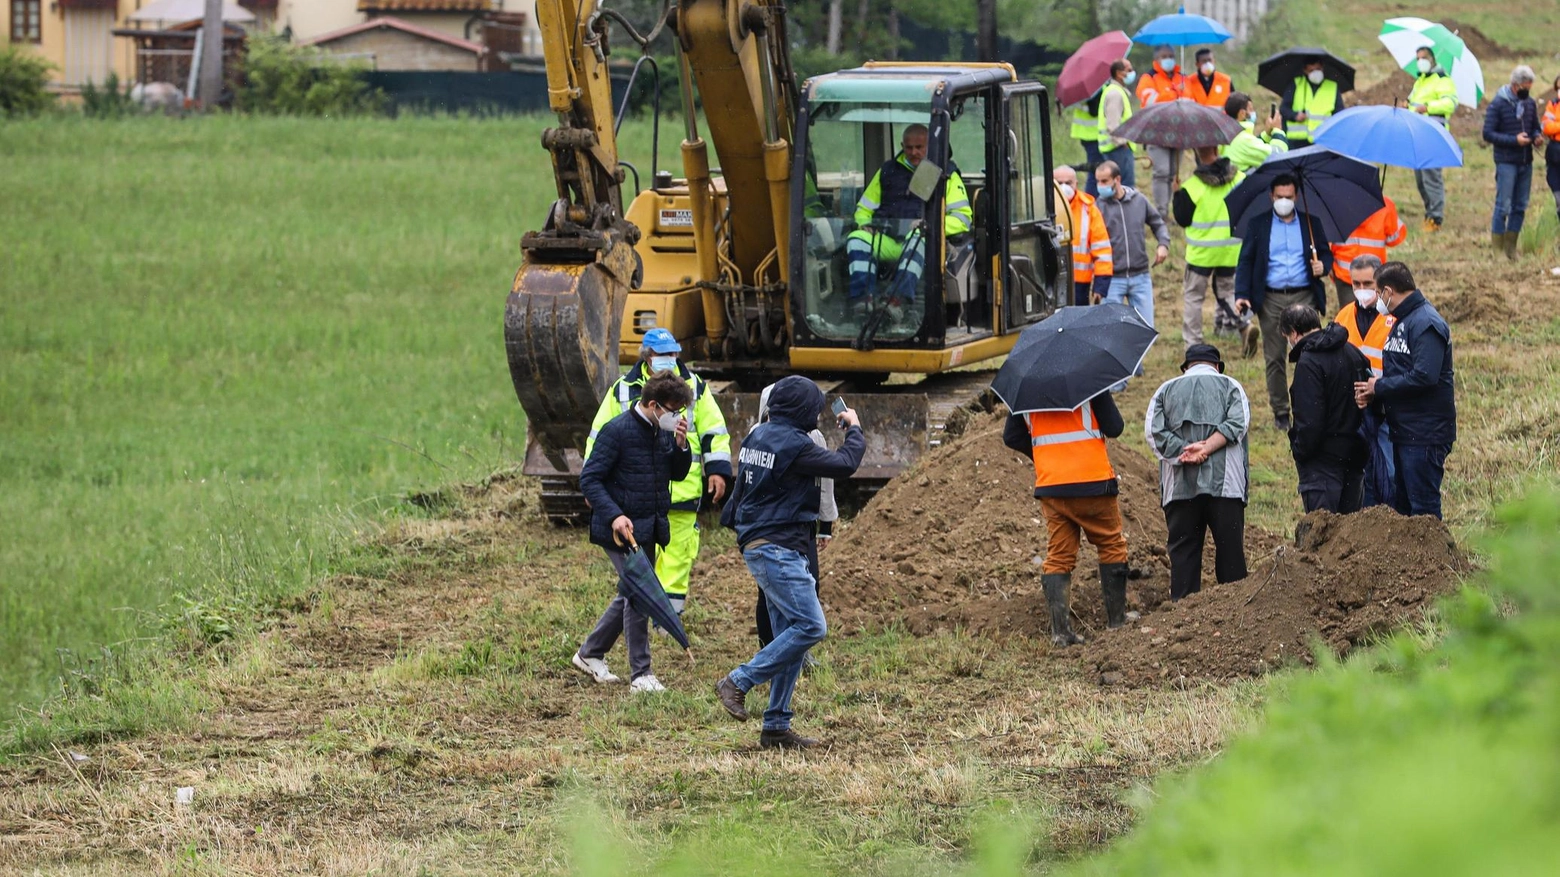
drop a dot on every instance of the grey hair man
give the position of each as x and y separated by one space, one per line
1512 127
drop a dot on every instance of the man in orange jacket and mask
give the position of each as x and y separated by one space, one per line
1379 231
1163 83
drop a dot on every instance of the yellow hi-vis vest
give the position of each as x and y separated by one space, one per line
1126 109
1085 125
1317 106
1209 241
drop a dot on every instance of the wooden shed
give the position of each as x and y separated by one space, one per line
389 43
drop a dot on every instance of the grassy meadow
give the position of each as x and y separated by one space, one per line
226 342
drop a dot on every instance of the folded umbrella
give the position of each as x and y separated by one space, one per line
1181 29
1390 135
639 585
1072 356
1279 72
1404 37
1340 191
1089 67
1179 124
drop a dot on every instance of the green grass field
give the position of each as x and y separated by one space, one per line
227 341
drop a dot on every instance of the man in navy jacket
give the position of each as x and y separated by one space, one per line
628 482
1415 390
1511 125
774 509
1285 258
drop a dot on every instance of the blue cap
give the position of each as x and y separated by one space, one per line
661 341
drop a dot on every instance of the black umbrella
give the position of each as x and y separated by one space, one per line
1340 191
1278 73
1179 124
639 585
1072 356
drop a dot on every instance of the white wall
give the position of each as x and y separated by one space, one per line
310 18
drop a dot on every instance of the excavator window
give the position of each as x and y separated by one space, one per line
867 240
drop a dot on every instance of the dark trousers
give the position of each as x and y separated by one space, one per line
1275 350
1420 469
1188 521
622 618
1331 485
1091 152
766 630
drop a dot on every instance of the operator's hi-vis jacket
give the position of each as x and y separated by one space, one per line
711 451
891 199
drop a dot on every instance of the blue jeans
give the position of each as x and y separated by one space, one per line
1513 183
1122 156
1137 292
797 619
1420 469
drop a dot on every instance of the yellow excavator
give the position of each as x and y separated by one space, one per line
745 261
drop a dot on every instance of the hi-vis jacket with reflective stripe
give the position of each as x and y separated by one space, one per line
1380 230
1373 341
1068 447
1085 119
1209 241
1092 254
711 451
958 215
1318 103
1248 149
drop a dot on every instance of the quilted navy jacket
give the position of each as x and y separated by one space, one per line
1505 118
630 472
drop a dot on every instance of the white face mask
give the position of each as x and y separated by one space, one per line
1206 68
1167 64
663 363
1381 307
1365 297
1316 77
1068 192
1424 65
1284 206
667 421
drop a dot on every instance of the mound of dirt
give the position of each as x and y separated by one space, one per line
1345 580
957 541
1467 122
1482 47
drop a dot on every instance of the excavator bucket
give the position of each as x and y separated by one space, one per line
561 327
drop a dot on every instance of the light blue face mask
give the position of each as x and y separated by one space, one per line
663 363
1107 190
1130 78
1167 64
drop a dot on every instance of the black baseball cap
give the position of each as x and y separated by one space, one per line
1202 353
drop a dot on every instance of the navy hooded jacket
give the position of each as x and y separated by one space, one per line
777 494
630 472
1415 388
1505 118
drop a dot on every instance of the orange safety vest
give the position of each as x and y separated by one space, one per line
1552 120
1157 88
1068 448
1380 230
1091 241
1214 97
1373 341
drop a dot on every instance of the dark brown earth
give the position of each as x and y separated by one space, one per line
956 543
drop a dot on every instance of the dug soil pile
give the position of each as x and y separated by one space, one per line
956 543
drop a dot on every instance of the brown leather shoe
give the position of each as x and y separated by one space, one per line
732 698
787 739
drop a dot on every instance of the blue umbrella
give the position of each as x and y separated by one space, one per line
1182 29
1340 191
1390 135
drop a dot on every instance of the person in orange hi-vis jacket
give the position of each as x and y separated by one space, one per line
1379 231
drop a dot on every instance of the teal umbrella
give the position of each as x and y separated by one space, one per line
1404 37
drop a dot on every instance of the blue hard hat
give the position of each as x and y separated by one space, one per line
661 341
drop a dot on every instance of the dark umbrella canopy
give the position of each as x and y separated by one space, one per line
1340 191
639 586
1179 124
1072 356
1089 67
1279 72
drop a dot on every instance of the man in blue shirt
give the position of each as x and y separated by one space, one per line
1284 257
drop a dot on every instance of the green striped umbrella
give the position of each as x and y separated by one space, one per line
1404 37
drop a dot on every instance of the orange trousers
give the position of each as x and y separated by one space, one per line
1096 517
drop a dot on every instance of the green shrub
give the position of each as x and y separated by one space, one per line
24 78
284 79
108 102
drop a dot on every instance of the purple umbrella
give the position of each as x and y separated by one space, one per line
1179 124
1089 67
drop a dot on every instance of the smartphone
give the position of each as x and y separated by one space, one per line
1272 110
839 406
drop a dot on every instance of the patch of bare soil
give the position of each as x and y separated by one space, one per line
1467 122
1345 580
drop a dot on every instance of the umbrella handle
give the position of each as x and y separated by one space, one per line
691 661
632 545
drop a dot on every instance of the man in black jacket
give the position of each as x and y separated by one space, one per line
1324 437
1416 390
774 510
1284 258
628 482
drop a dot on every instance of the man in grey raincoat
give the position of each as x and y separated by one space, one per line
1197 425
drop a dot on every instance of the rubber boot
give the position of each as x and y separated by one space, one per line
1113 587
1511 244
1055 585
1498 241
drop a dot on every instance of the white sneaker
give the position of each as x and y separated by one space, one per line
595 668
646 684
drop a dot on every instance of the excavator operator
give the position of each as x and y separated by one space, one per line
884 216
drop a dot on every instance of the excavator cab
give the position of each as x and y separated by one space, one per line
951 253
